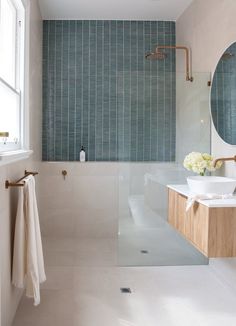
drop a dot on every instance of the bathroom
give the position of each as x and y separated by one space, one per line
111 257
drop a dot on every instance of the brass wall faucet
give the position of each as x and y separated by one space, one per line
224 159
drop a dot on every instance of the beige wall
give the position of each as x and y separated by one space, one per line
9 295
88 202
84 204
208 27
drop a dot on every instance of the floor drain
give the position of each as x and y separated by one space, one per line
125 290
144 251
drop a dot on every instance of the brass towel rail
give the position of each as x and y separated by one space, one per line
18 182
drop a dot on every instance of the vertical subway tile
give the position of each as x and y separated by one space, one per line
92 90
86 85
71 91
78 88
65 93
133 90
45 92
106 92
113 132
51 89
99 91
58 89
120 79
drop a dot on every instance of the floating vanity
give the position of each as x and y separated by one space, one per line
210 225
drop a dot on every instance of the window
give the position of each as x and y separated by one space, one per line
11 75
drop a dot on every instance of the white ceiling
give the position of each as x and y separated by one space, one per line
113 9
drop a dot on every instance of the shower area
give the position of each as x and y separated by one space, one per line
175 121
145 237
113 88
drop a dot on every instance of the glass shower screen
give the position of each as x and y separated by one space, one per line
145 236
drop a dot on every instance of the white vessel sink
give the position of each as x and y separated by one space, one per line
211 185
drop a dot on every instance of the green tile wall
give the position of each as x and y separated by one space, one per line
99 91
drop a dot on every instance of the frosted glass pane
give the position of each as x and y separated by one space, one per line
9 113
7 41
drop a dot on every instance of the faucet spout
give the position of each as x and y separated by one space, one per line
224 159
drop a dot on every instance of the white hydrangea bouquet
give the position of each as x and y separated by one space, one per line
200 163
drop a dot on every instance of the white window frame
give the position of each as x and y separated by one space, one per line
13 153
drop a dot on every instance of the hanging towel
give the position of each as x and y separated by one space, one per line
19 256
194 197
28 262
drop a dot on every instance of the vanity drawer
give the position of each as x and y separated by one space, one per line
210 230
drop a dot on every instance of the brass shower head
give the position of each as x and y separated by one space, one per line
158 54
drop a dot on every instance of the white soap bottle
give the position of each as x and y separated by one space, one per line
82 154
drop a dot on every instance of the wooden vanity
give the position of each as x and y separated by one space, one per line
210 227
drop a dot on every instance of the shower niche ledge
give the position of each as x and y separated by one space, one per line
209 225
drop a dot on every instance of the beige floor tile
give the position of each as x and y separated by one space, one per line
89 294
59 278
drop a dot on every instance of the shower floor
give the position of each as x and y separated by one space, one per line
83 289
143 229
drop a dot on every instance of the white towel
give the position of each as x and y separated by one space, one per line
192 198
28 262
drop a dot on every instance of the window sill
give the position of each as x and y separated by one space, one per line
14 156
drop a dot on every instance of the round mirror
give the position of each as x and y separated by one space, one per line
223 96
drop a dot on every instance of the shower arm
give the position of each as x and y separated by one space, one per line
187 61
